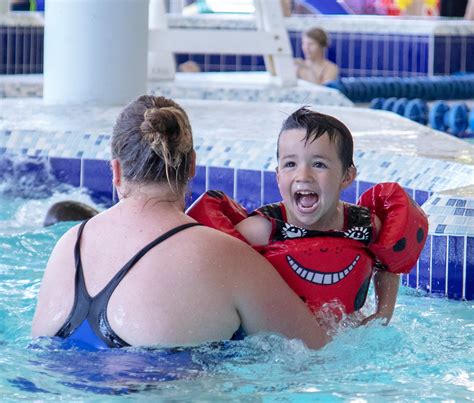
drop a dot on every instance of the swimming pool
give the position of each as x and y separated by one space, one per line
425 354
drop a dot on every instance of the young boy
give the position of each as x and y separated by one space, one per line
323 247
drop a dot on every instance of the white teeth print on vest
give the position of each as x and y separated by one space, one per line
319 277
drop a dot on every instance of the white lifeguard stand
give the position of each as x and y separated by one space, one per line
270 39
4 6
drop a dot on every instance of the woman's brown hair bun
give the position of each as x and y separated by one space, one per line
153 141
168 133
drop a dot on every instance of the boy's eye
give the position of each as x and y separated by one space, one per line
318 164
288 164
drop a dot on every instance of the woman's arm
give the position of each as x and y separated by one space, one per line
57 288
306 73
266 303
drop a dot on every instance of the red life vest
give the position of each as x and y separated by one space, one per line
332 265
323 266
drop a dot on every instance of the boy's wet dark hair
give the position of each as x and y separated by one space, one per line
316 124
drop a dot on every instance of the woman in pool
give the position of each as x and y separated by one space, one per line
144 273
315 67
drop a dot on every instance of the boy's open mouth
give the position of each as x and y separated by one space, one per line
306 201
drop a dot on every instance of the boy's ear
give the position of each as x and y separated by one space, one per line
349 176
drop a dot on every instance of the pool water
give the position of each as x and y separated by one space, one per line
425 354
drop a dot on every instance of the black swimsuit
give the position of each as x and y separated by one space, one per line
87 324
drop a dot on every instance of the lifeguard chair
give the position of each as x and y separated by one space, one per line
269 39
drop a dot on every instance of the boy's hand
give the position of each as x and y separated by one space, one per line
378 315
386 286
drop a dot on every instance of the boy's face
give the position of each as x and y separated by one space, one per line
310 179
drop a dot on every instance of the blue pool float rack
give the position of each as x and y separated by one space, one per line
426 88
455 119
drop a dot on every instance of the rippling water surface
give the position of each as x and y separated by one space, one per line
426 353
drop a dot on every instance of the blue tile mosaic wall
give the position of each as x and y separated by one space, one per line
469 269
21 50
198 183
446 265
453 54
456 245
97 176
249 188
221 179
67 170
271 193
424 267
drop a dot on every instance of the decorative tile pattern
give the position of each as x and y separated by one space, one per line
450 215
254 92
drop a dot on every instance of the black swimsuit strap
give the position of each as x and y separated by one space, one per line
78 311
77 246
79 277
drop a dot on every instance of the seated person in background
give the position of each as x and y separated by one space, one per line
315 67
189 67
144 273
68 210
469 14
324 248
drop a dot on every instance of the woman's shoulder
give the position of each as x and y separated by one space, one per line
70 236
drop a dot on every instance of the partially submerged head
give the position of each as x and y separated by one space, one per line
68 210
315 164
153 143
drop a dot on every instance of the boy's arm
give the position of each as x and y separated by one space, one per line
386 289
386 286
255 229
402 228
